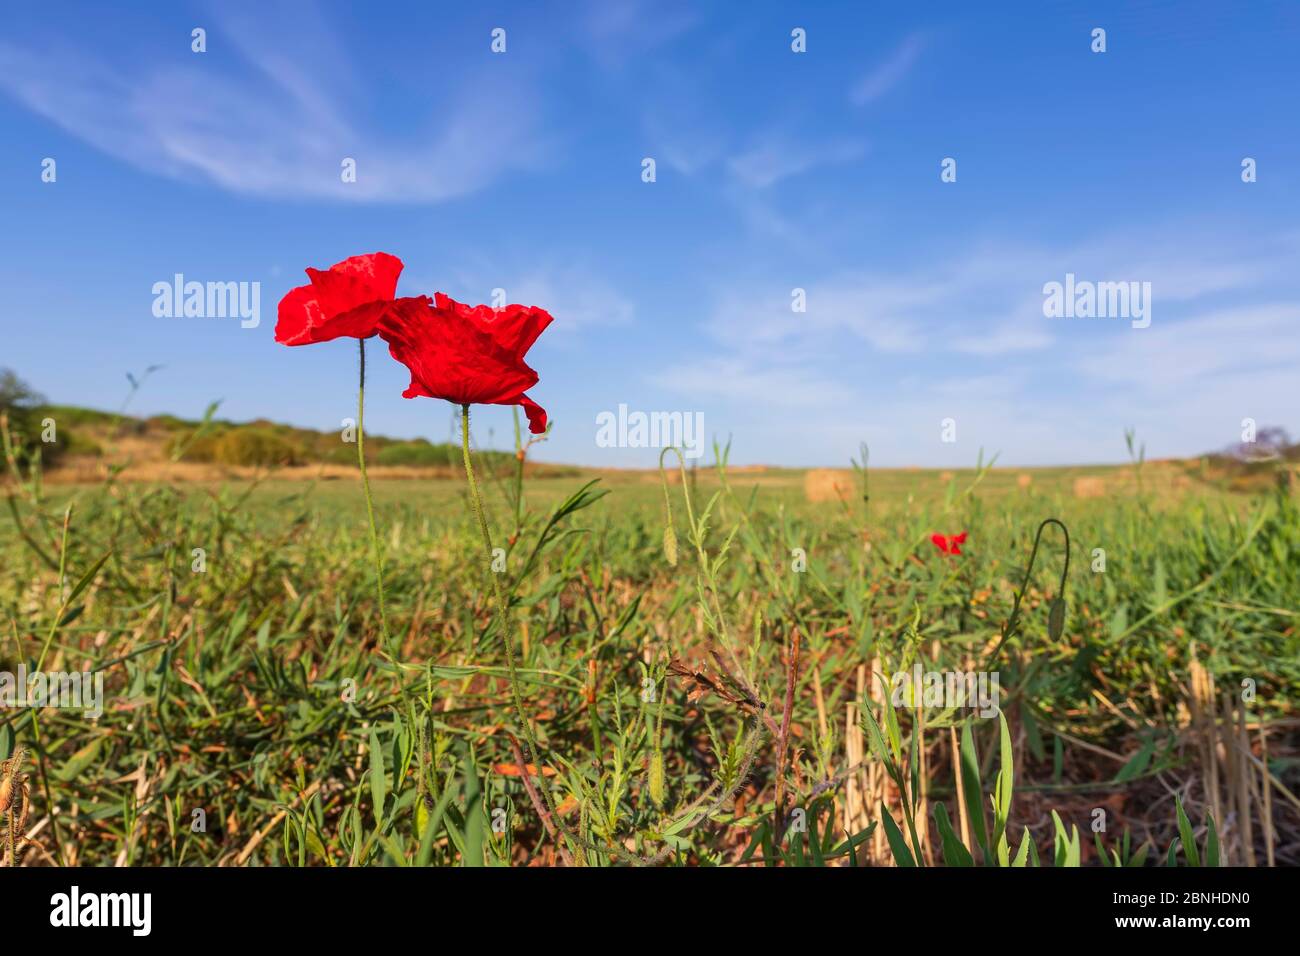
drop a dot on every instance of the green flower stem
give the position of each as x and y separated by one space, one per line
505 621
1014 620
370 503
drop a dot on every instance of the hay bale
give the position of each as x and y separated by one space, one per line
1090 487
946 476
1024 481
827 484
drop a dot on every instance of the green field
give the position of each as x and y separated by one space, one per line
256 712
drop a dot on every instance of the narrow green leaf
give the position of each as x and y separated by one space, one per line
1060 841
378 779
1186 836
86 578
902 855
1006 774
79 761
814 839
954 852
1102 855
877 741
973 789
1139 762
894 734
431 828
474 816
1026 844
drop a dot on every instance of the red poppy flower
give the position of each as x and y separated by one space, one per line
948 544
470 355
347 299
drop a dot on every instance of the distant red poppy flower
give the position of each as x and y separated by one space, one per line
470 355
347 299
948 544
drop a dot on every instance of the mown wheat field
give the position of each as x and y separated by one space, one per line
728 707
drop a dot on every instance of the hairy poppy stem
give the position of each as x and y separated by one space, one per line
365 483
504 618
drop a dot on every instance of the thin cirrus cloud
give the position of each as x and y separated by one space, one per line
1249 342
615 32
983 302
773 160
275 128
888 74
1222 341
758 384
691 141
575 295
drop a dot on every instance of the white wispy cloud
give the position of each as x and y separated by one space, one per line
615 32
984 302
1022 334
742 381
776 158
965 337
576 297
886 75
1191 353
682 138
279 126
575 294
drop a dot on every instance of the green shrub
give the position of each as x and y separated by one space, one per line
255 446
201 449
418 453
342 455
72 415
170 423
73 443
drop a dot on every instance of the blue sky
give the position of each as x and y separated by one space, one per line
775 170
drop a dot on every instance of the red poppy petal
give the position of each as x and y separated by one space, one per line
959 538
298 313
356 282
450 357
416 390
350 298
517 327
940 542
377 271
359 323
536 414
514 327
339 292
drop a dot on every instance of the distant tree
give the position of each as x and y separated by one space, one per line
15 393
25 409
19 402
1271 443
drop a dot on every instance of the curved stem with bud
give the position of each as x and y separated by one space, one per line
1056 620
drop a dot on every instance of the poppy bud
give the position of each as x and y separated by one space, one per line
1056 619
